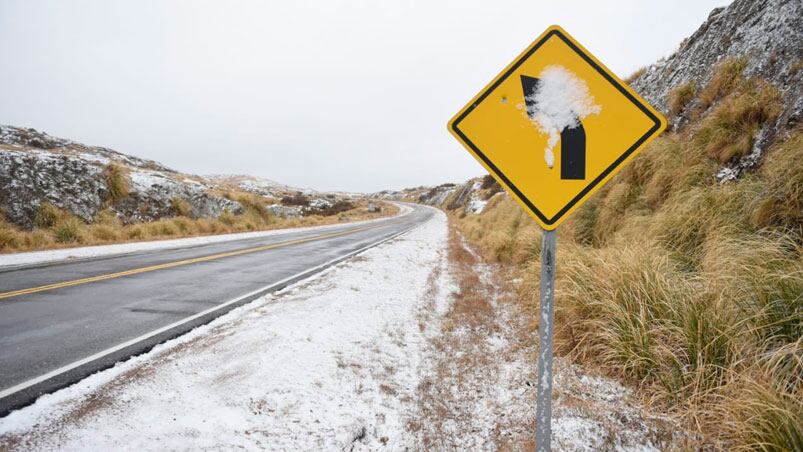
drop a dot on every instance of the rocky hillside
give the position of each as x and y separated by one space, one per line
36 168
256 185
766 35
469 197
755 39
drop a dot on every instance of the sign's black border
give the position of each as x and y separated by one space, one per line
598 179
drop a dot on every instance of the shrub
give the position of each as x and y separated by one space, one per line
68 230
583 222
161 228
117 183
297 199
336 208
611 209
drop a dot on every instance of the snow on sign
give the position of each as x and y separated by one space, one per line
555 126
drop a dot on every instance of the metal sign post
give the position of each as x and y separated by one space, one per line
543 409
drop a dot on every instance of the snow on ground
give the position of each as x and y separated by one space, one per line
402 347
40 257
330 363
479 384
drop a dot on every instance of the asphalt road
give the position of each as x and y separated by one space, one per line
64 321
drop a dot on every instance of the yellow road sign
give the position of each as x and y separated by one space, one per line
555 126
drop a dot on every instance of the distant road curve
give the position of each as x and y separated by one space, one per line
62 321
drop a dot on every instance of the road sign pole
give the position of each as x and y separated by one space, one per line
543 411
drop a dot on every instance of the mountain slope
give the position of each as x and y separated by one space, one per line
766 35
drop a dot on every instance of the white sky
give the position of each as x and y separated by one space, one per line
340 95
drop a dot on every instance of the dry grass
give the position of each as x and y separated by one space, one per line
690 290
680 96
58 229
462 371
636 74
117 181
779 202
730 129
180 207
724 81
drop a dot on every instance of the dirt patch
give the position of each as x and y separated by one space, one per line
478 386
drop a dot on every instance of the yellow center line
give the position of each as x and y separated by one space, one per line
194 260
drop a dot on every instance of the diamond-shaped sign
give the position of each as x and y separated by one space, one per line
555 126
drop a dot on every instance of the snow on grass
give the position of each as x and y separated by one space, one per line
476 205
479 381
330 363
561 100
47 256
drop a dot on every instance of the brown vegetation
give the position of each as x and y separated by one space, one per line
636 74
58 229
680 96
689 289
117 182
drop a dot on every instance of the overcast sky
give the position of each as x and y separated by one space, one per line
335 95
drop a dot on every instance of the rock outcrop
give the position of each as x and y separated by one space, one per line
768 34
36 168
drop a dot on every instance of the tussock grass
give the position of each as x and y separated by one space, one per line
58 229
729 130
689 289
180 207
724 81
47 215
779 203
68 230
117 181
8 237
680 96
763 409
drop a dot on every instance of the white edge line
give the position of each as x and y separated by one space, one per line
264 290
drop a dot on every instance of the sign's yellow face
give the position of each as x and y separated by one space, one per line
554 126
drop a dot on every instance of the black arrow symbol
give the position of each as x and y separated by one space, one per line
572 140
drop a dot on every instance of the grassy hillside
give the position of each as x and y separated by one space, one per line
56 228
689 289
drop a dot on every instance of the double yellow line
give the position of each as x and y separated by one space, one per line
179 263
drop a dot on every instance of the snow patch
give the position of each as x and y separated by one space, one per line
561 100
476 205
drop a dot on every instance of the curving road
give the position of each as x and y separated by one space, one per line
63 321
